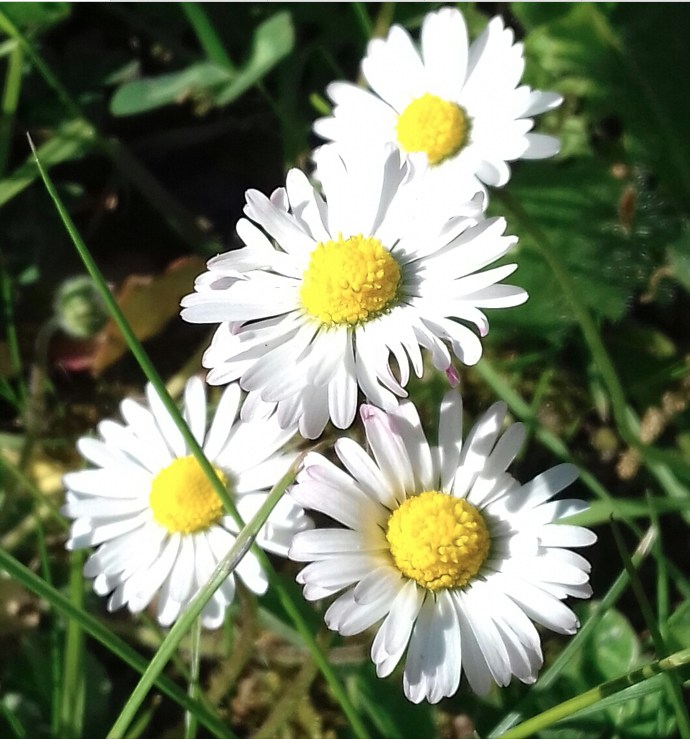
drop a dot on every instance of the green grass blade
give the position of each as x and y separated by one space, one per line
591 697
102 634
10 329
208 38
365 23
38 496
151 373
673 683
8 106
190 722
171 642
135 345
16 726
73 684
55 666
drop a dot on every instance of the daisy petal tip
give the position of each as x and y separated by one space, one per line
453 376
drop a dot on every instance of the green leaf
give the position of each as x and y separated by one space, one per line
576 204
273 40
679 627
143 95
36 17
613 648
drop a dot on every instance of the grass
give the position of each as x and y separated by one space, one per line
595 365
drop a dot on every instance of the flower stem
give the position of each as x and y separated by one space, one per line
591 697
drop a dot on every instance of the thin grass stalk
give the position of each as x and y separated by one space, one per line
16 726
224 568
39 497
591 697
31 581
151 373
8 106
552 673
208 38
73 684
672 682
55 667
190 722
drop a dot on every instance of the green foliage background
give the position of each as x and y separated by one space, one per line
153 119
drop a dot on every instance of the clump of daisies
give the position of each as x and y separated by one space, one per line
340 289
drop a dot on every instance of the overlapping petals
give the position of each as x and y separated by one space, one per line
137 557
483 629
482 78
307 372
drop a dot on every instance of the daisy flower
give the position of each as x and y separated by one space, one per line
158 521
458 105
373 269
444 545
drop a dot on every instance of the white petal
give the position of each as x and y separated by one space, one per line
360 465
477 447
384 582
195 407
432 668
449 437
444 48
564 535
223 420
342 391
389 450
318 544
393 69
541 146
395 631
171 433
409 427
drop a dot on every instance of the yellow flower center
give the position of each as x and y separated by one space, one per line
434 126
350 281
438 540
183 499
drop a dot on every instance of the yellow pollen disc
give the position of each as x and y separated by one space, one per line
434 126
350 281
438 540
182 498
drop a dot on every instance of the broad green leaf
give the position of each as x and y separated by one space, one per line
70 141
35 17
575 203
273 40
613 648
143 95
679 627
622 63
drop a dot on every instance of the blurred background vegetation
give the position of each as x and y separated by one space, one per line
153 120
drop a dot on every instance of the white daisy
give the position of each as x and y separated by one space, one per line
155 514
370 271
446 546
459 105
